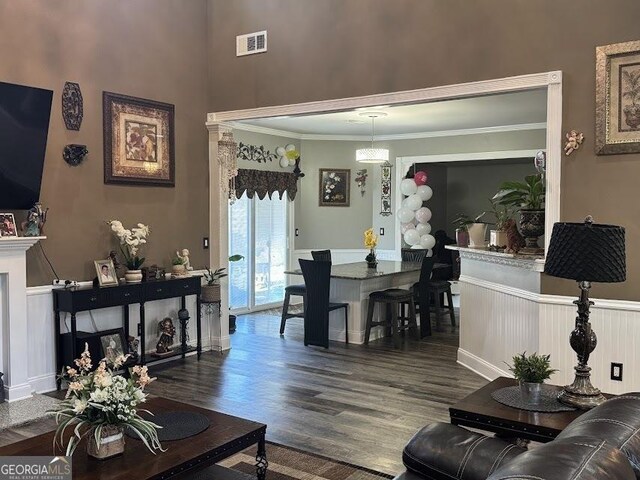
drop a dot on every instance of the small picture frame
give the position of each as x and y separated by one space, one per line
8 225
334 187
113 344
106 272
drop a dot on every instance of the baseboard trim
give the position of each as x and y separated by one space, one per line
480 366
43 383
14 393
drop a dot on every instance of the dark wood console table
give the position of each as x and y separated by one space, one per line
81 299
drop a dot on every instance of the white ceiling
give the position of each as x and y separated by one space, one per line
503 110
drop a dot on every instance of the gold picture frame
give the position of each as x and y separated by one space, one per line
618 98
106 273
138 141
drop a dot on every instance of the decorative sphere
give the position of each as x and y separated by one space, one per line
183 314
423 215
423 229
420 178
427 242
405 215
424 192
408 186
407 226
411 237
413 202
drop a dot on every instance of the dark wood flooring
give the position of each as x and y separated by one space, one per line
351 402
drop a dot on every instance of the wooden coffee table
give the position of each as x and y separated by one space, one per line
225 436
479 410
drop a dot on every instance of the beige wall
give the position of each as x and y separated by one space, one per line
153 49
340 48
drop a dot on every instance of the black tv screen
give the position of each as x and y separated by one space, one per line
24 125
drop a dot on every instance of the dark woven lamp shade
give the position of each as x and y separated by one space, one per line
587 252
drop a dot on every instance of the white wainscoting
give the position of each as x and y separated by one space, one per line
503 321
41 346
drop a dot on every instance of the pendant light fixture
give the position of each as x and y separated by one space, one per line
372 155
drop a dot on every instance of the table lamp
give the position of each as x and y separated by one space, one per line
585 252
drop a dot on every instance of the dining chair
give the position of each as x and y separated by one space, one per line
321 255
413 254
317 278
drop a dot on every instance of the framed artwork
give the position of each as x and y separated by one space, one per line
138 141
334 187
385 190
618 98
106 272
113 344
8 225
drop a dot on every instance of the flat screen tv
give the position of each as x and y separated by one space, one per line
24 125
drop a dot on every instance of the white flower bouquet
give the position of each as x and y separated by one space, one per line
130 242
101 403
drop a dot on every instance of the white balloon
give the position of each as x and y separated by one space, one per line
407 226
405 215
413 202
408 186
417 246
411 237
427 242
424 192
423 228
423 215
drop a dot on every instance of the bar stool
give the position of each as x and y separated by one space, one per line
436 289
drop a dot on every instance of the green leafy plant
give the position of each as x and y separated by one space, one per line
213 277
502 213
531 369
527 195
464 221
177 261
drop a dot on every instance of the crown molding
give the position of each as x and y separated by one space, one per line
400 136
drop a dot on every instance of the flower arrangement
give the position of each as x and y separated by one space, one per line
131 240
99 404
371 242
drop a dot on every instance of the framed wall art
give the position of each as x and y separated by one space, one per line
113 344
138 141
334 187
618 98
8 226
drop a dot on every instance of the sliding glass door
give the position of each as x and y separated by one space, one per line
258 231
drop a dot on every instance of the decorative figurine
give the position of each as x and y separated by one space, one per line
133 347
185 258
515 241
74 154
36 218
574 140
167 331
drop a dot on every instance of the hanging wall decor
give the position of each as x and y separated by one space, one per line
574 140
334 187
252 153
74 154
361 180
72 108
227 159
385 190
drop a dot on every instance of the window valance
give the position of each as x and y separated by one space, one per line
264 182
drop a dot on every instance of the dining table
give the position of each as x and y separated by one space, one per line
353 282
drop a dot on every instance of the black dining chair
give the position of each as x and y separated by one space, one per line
321 255
317 278
422 292
413 254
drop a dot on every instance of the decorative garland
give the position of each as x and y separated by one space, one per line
252 153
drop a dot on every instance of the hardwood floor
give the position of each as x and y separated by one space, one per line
352 403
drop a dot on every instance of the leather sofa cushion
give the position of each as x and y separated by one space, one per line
445 451
617 421
575 458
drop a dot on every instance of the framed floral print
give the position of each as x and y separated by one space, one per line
138 141
334 187
618 98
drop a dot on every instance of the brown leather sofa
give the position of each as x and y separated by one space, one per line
601 444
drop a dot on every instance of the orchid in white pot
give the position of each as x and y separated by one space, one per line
130 242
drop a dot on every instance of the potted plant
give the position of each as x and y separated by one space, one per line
178 268
531 372
476 231
462 223
502 213
211 291
528 198
99 405
130 242
371 242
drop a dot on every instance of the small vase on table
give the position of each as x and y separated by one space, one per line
370 242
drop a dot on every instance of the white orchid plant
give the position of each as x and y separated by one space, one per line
130 242
99 399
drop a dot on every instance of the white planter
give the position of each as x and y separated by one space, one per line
477 235
133 276
498 238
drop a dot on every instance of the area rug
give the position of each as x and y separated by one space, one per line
25 411
287 463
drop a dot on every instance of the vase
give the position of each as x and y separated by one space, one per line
210 293
477 235
531 227
531 393
111 442
462 237
498 238
372 261
178 270
133 276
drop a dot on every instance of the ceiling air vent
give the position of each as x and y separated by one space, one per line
251 43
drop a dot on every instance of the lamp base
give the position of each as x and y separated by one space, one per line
581 394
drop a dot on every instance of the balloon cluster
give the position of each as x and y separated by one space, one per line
414 218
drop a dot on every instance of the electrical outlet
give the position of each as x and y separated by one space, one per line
616 371
381 232
205 243
297 232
